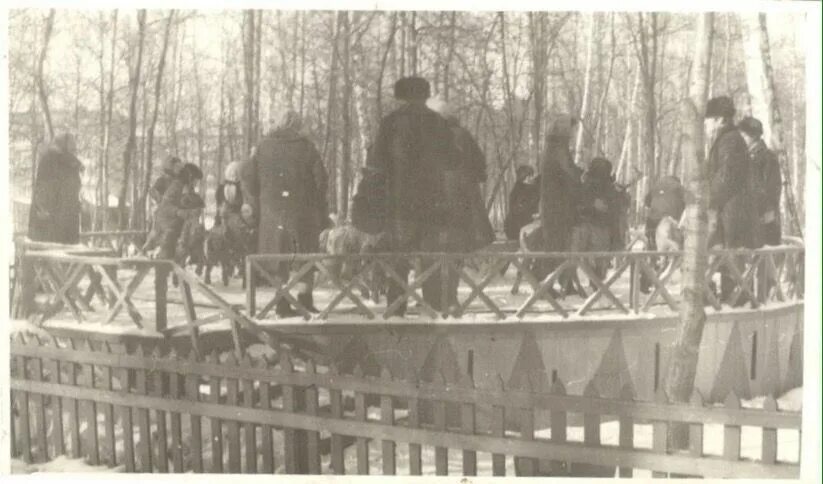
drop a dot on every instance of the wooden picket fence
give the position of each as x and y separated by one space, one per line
166 413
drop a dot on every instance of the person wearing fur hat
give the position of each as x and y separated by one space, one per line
413 148
284 185
731 208
766 182
168 223
55 203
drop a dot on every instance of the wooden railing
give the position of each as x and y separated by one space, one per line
118 241
610 281
166 413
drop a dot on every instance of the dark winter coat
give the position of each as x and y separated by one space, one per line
607 220
666 198
55 205
285 183
469 224
730 191
413 148
560 190
767 185
524 200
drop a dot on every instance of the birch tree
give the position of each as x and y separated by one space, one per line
679 382
42 92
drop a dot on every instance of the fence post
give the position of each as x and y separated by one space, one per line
415 450
23 407
441 454
660 432
267 442
526 466
336 403
215 424
251 288
161 289
360 415
626 437
57 406
769 451
160 416
295 440
731 433
499 429
192 382
467 418
313 436
176 427
558 423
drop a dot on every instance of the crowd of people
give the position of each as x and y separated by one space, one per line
421 189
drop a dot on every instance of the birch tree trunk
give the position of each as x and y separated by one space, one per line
763 95
131 143
42 93
587 83
345 164
158 87
679 382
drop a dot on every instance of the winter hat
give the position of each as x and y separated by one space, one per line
170 163
751 126
412 88
192 172
232 173
600 168
720 107
561 125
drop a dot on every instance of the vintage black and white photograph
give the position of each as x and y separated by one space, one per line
499 242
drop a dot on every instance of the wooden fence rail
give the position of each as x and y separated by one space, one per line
612 281
220 413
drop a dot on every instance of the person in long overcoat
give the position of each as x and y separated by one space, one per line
284 183
470 226
413 148
731 208
55 205
168 216
237 230
766 182
560 185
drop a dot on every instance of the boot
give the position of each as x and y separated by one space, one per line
284 309
307 300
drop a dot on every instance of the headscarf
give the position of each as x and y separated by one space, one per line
232 172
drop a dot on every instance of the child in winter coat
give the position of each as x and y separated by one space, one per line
167 223
191 209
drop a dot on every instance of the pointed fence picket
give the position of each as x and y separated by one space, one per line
379 428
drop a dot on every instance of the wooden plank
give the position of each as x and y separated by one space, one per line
626 432
660 434
143 424
57 411
249 429
233 427
161 290
467 424
731 433
312 437
267 443
512 398
558 419
607 455
696 429
527 466
23 412
41 425
415 450
215 425
91 406
388 447
73 406
126 422
499 431
362 444
157 378
336 403
195 437
769 445
176 425
441 453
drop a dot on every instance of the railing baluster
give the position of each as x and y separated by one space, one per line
249 429
74 409
94 445
175 382
267 442
126 422
57 408
23 410
41 424
158 384
215 424
143 420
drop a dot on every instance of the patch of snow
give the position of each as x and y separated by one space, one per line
60 464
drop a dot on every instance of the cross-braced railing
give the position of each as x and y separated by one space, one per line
561 284
118 241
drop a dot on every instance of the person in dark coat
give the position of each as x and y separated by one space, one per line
284 183
471 227
560 187
766 182
731 208
192 232
524 201
55 204
168 220
413 148
237 231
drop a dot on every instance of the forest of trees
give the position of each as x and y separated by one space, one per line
136 86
